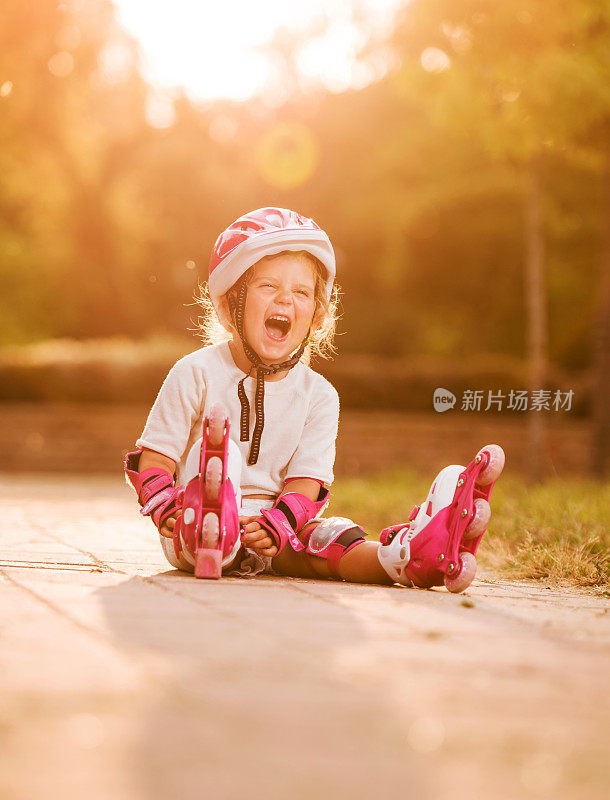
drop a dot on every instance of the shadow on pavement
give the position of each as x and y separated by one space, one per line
251 691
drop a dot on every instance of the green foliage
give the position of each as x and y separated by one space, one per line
106 222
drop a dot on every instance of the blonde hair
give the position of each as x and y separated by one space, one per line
325 316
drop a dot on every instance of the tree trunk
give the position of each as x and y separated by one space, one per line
601 391
536 321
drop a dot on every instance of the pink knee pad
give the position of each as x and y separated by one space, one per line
289 514
332 538
155 488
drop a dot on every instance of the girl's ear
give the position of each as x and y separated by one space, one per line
223 304
318 317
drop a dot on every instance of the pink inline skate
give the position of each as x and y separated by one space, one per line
438 543
207 532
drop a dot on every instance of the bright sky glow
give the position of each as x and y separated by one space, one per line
210 47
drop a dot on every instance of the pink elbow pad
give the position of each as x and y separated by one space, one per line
289 514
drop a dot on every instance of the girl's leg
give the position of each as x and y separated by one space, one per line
361 565
179 562
294 565
358 565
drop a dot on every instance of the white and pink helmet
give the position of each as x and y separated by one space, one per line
260 233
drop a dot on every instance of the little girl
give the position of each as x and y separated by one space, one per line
271 304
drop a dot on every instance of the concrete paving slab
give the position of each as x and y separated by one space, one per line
124 678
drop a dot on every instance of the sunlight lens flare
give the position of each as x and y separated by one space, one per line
217 50
435 60
287 155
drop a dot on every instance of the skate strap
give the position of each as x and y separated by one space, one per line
387 534
290 512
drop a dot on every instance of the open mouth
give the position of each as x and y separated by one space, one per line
277 327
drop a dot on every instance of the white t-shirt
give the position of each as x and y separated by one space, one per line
301 419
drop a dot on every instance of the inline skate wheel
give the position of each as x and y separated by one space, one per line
216 424
188 517
480 519
210 530
465 576
492 470
213 479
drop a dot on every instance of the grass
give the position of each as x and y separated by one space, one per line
558 531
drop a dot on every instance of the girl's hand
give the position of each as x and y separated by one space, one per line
167 529
256 538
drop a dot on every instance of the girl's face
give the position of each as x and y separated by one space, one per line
280 305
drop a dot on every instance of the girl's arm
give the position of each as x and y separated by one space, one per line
151 459
257 537
307 486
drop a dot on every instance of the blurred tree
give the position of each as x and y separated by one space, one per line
601 397
482 116
526 80
75 115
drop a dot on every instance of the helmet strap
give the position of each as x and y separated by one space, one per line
237 308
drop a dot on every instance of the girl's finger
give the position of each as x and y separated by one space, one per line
254 536
257 542
269 551
265 543
250 527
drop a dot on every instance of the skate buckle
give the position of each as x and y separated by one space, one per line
390 537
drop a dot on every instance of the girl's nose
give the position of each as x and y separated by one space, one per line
283 295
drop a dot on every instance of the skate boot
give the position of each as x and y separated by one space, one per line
438 543
207 534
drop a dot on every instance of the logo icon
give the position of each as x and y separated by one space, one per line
443 400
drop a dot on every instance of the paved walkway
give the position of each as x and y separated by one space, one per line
124 679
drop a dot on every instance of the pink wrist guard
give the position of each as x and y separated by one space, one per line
155 488
289 514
